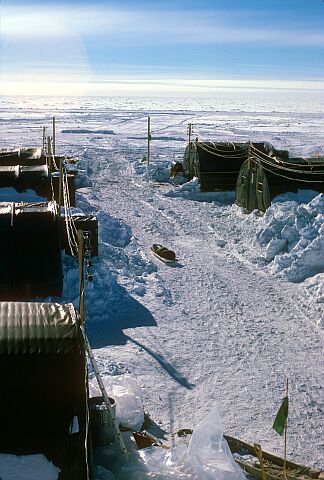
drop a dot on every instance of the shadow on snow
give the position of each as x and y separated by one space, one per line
165 364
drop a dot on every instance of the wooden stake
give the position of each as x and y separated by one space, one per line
286 425
44 133
60 185
81 274
189 133
49 153
259 453
53 135
248 193
148 139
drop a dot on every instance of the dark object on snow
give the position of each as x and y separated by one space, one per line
176 169
44 394
142 440
273 466
217 165
145 439
184 432
30 251
163 253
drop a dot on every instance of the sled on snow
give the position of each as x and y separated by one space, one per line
163 253
248 457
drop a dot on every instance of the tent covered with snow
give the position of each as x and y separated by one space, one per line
43 401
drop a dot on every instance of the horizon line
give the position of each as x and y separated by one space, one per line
113 87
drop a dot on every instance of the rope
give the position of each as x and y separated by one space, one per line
69 203
71 230
287 169
223 154
292 179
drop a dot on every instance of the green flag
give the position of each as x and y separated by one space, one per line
282 415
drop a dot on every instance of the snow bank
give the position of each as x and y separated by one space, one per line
293 237
287 241
191 190
156 172
27 467
121 269
114 230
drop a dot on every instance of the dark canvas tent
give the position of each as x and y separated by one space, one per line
30 168
252 190
30 251
217 165
44 384
23 169
261 178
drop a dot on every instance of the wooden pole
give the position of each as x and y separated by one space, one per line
44 133
49 153
286 425
249 178
81 274
53 135
148 139
189 134
60 184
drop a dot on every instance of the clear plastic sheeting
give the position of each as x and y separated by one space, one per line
127 393
209 453
207 457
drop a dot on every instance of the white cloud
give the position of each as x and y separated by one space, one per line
165 27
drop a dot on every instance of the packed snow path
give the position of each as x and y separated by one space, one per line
223 331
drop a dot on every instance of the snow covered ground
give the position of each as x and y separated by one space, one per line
243 309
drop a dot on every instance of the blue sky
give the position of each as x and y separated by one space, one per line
124 46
